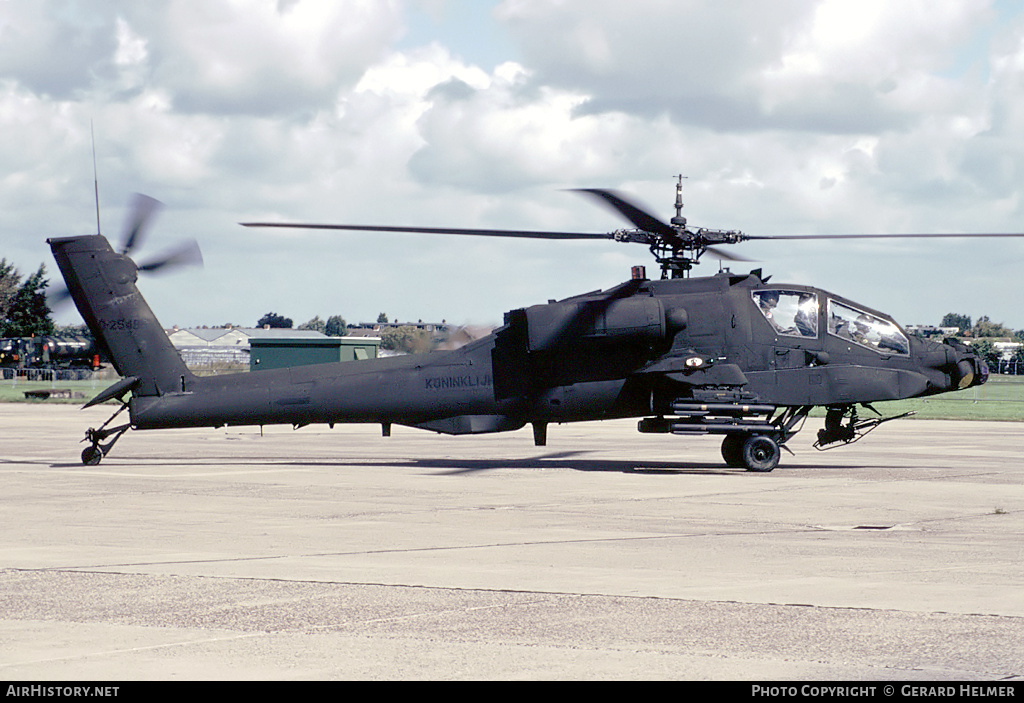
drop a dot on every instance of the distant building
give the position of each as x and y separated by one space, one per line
204 337
377 327
362 332
1006 349
285 352
208 346
932 330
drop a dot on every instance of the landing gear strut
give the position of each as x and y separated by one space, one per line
754 444
755 433
95 452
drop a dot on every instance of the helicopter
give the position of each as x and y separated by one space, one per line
732 355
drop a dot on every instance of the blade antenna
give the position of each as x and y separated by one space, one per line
95 178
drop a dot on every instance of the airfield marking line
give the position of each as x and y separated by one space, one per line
263 633
411 550
205 474
79 470
147 648
535 592
555 594
426 614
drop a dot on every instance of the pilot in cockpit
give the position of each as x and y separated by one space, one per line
769 300
806 320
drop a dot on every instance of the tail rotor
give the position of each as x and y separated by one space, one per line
141 212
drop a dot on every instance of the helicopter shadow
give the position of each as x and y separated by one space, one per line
571 460
456 466
445 466
574 460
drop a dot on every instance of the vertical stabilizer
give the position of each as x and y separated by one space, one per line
102 284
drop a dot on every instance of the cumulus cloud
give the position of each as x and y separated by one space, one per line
500 138
647 57
216 56
814 66
263 57
54 49
797 116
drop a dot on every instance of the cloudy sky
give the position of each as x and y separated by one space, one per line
789 117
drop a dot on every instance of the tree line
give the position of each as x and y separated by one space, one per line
334 326
981 334
24 311
984 327
408 339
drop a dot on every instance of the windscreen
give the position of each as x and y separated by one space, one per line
866 329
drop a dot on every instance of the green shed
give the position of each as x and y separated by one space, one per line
284 352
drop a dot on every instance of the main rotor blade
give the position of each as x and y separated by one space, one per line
884 236
720 253
142 209
439 230
632 212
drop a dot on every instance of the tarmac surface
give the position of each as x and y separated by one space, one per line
341 554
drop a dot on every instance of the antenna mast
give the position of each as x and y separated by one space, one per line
679 220
95 178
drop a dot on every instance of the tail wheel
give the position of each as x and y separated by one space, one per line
760 453
92 455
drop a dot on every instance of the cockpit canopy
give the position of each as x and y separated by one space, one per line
790 312
795 313
865 329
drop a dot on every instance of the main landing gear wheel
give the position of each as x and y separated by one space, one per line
751 452
760 453
732 451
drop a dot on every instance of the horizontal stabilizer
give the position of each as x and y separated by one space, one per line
115 391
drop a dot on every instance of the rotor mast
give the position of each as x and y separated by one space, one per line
677 255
